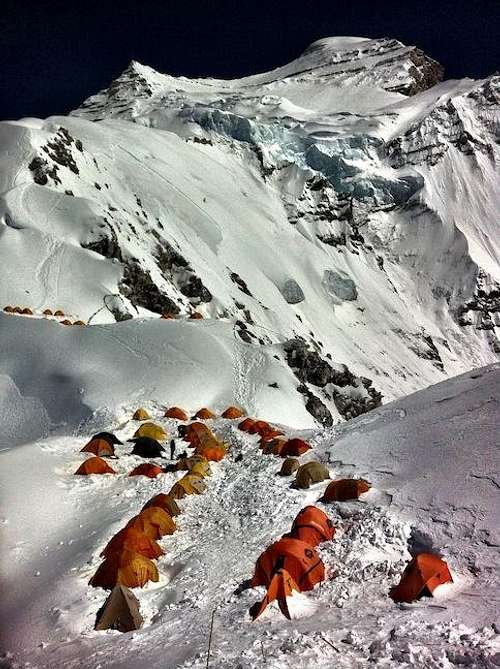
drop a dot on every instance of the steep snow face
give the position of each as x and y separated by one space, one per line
432 459
346 201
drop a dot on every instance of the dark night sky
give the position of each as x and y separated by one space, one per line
54 54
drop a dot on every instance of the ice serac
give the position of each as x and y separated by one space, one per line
347 201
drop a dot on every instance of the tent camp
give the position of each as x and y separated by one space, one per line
119 612
177 413
421 577
99 447
343 490
190 484
131 539
152 431
154 522
204 414
309 473
146 469
299 559
193 432
94 465
145 447
289 467
312 526
295 448
165 502
232 413
125 568
141 414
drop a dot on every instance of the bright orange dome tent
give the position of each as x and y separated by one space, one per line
204 414
47 312
343 490
146 469
246 424
94 465
177 413
260 427
99 447
154 522
27 311
132 539
126 568
232 413
294 448
312 526
297 557
421 577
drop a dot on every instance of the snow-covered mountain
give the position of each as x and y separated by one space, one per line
339 212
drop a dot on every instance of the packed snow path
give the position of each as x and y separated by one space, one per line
54 535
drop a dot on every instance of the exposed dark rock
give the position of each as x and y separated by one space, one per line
292 292
193 288
316 407
235 278
138 286
107 246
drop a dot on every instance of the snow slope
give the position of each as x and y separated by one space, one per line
347 199
433 460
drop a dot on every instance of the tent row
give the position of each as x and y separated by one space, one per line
26 311
128 558
272 441
177 413
169 316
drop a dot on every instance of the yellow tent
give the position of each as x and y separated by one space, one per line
152 431
190 484
126 568
196 464
141 414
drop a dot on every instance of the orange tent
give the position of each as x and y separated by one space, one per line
66 322
154 522
193 432
295 447
59 312
9 309
421 577
146 469
204 414
312 526
195 315
99 447
232 413
165 502
27 311
270 435
213 452
177 413
16 310
48 312
80 323
273 447
282 586
246 424
94 466
167 316
299 559
133 540
260 427
127 568
342 490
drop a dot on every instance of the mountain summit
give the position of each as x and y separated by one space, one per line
338 215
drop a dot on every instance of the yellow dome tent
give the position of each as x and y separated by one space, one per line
152 431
